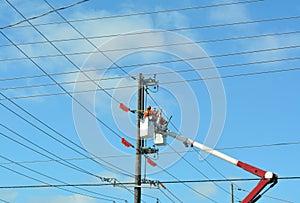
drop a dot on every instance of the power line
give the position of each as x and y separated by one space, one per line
164 83
142 13
165 194
286 178
47 176
41 69
199 27
191 188
2 200
162 153
182 156
56 48
274 198
159 62
44 14
109 165
159 45
89 41
122 77
109 128
60 160
189 163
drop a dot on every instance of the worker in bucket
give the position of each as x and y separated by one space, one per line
149 112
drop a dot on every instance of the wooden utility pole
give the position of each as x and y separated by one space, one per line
139 142
231 193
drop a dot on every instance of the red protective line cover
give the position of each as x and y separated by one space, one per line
126 143
124 108
152 163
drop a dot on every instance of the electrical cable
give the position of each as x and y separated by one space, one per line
111 166
274 198
121 77
47 176
89 41
163 83
139 13
199 27
166 195
207 160
59 159
44 14
2 200
69 165
158 45
153 63
191 188
189 163
161 153
54 46
58 84
183 156
286 178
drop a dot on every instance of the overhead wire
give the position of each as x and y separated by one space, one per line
40 68
200 172
214 168
198 27
109 128
160 45
2 200
56 48
46 72
203 195
52 178
191 188
109 165
152 63
161 153
67 164
122 77
43 14
163 83
59 159
267 196
165 194
89 41
286 178
140 13
184 157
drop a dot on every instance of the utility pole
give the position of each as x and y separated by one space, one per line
231 193
139 142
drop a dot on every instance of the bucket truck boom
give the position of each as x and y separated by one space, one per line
266 177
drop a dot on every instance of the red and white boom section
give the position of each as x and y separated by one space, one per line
267 178
153 125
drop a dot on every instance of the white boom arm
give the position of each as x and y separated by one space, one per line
266 177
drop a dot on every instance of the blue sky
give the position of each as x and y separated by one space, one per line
230 110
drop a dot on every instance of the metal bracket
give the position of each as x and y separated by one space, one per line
149 150
150 81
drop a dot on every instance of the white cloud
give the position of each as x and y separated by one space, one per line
240 13
8 195
76 198
207 189
229 14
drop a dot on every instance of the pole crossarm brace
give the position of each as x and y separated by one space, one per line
266 177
